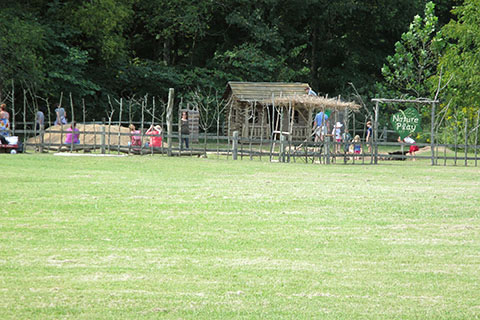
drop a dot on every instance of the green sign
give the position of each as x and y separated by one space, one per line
406 122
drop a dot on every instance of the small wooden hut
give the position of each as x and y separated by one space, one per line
257 109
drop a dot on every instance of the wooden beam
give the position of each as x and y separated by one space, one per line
419 100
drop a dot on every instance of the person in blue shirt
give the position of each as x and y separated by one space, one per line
310 92
320 126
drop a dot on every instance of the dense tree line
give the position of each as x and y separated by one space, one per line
125 47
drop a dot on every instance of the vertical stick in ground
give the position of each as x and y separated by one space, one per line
476 137
466 142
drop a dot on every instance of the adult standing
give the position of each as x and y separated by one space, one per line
61 115
4 120
369 138
184 130
320 126
40 120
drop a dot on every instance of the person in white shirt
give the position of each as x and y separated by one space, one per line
409 140
337 133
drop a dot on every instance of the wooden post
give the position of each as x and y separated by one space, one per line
245 122
444 150
466 142
354 125
326 138
240 140
25 117
235 145
282 148
229 125
13 108
375 131
432 134
103 137
456 141
309 123
94 135
171 93
252 131
42 134
217 119
120 126
261 131
83 118
49 124
35 111
72 122
476 137
291 114
142 126
153 123
110 115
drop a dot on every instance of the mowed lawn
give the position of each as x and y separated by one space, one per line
156 237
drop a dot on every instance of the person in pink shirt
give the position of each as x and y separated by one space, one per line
155 139
135 139
72 135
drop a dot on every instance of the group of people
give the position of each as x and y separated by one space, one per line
352 146
155 131
321 129
60 117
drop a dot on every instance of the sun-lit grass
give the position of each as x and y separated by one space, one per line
157 237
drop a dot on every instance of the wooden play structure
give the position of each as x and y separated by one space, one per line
259 109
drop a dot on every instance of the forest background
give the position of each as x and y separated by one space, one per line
352 48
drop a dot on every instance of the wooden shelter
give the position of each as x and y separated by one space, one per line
257 109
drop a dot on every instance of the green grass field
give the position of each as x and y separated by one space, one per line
156 237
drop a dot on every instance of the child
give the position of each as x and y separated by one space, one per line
347 138
337 133
357 146
135 139
369 138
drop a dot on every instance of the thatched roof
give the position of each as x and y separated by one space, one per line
282 94
312 102
258 91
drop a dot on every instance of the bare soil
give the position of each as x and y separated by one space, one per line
89 134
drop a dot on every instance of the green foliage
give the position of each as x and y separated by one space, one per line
142 77
101 24
68 71
460 63
125 47
249 63
22 49
408 71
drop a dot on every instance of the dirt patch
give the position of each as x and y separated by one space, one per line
427 149
89 134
